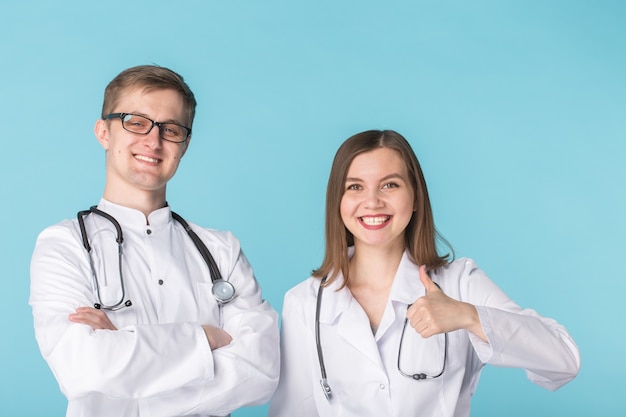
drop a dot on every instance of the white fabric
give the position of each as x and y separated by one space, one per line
159 362
362 367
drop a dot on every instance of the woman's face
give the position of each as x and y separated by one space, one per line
378 200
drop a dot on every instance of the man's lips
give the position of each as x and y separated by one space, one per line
147 159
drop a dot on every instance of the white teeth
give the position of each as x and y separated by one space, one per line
147 159
374 221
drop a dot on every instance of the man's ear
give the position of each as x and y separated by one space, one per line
102 133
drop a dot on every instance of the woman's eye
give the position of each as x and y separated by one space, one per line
353 187
390 185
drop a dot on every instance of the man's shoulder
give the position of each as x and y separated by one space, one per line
216 236
63 227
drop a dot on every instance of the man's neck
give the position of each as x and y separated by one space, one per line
144 201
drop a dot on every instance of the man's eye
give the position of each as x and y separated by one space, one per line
135 121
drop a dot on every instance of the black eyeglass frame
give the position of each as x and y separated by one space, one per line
121 116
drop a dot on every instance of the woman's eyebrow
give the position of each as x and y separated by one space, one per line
385 178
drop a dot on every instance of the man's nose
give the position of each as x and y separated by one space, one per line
153 137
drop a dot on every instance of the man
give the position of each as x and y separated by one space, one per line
125 310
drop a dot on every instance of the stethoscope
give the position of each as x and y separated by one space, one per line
222 290
324 381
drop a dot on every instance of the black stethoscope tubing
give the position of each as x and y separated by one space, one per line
328 393
120 240
222 290
320 356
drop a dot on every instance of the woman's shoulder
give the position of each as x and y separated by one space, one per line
458 270
301 297
464 280
461 264
304 289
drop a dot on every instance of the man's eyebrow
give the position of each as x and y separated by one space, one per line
138 113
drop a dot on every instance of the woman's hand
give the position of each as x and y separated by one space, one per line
436 313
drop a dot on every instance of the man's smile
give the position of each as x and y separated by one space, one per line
147 159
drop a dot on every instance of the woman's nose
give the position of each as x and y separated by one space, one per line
373 199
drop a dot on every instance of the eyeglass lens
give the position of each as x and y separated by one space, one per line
142 125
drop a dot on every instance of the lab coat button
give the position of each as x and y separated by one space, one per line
160 282
149 231
382 386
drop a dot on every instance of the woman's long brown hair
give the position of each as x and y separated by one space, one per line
420 234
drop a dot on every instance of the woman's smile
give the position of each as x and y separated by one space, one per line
374 222
378 200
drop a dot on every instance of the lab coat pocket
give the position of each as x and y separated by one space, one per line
208 308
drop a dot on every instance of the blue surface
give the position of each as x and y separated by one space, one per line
515 109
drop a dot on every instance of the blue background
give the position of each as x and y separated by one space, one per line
516 109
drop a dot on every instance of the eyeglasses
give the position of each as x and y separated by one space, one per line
134 123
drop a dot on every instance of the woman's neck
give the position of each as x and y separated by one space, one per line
371 275
374 266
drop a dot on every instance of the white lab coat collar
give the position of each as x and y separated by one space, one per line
340 309
135 219
406 288
334 300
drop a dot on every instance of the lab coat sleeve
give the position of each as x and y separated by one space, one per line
246 370
132 362
298 377
519 338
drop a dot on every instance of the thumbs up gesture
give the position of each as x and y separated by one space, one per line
436 313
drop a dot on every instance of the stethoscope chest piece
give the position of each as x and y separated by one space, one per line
223 291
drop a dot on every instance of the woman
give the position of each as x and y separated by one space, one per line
389 327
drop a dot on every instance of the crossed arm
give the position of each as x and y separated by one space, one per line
98 320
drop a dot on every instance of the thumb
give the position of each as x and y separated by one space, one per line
428 283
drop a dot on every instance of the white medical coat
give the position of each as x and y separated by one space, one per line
159 362
362 367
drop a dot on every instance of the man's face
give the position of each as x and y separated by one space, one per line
136 162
